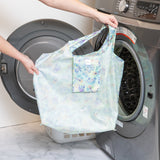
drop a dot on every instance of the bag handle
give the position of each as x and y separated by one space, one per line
111 37
74 44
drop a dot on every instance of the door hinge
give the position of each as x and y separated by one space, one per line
3 66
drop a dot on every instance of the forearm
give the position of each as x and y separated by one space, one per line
74 6
7 48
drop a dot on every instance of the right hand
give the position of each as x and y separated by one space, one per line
106 19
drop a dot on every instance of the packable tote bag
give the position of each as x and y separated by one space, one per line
79 93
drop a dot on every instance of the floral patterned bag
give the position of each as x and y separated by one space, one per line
79 93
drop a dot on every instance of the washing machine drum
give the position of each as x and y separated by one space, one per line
33 39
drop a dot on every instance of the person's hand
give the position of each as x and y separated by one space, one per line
29 65
106 19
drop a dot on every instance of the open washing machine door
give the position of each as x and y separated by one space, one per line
33 39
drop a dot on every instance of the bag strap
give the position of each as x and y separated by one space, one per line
74 44
110 39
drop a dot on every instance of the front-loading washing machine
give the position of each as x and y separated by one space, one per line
138 44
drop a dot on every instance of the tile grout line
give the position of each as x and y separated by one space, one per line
20 124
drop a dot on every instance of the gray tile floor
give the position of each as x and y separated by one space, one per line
30 142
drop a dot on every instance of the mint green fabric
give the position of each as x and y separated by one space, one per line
79 93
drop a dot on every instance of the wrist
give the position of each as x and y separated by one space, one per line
21 57
95 14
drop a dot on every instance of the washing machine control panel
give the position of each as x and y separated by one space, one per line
139 9
146 10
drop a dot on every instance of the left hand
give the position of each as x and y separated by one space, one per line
29 65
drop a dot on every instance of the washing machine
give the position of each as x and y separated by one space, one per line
138 44
33 28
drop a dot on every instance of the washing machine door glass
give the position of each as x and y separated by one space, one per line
38 45
33 39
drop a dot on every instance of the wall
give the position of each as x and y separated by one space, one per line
14 14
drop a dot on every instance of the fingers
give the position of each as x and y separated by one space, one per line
31 71
35 70
29 65
113 22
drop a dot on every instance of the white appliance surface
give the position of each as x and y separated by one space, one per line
15 13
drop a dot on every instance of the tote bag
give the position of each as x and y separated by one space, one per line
79 93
